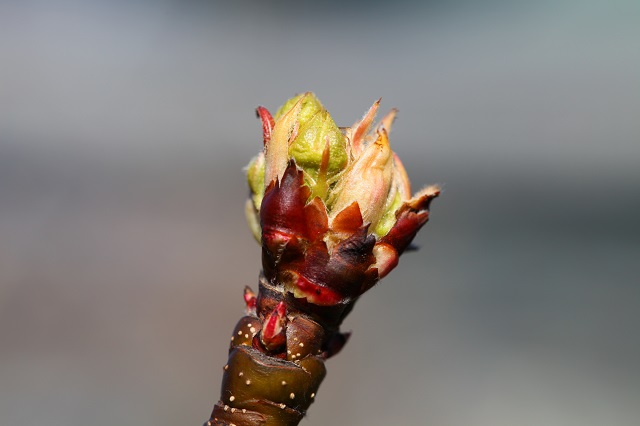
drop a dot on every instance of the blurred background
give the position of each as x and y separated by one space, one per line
124 128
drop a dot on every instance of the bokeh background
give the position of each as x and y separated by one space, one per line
124 127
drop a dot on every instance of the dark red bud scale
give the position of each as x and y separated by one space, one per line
409 219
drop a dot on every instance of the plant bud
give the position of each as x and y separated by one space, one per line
313 137
367 181
332 207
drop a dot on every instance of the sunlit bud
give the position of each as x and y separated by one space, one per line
331 206
317 144
367 181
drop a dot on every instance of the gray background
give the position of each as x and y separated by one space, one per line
124 127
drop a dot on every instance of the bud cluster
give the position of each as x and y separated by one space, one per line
333 211
331 206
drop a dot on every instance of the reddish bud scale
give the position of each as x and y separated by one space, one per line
295 253
273 334
409 219
267 123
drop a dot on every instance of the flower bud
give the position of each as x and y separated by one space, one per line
303 130
367 181
332 207
399 193
318 146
